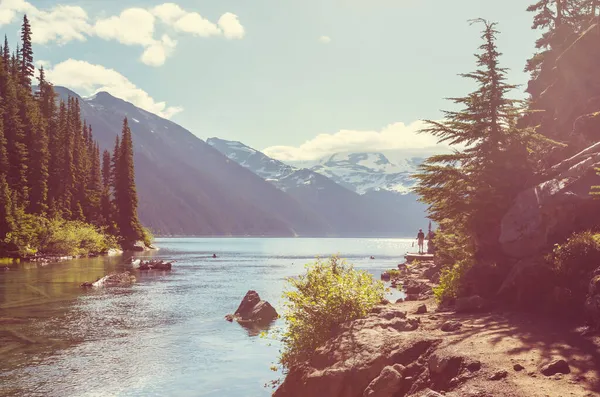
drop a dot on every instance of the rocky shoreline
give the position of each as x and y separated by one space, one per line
416 348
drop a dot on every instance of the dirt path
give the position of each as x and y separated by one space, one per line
396 352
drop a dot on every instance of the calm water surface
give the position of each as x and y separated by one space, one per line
165 335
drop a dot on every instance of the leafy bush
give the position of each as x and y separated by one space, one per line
329 294
575 260
147 236
579 255
36 234
454 251
451 280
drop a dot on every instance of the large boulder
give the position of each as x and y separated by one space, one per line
553 209
253 309
530 283
592 303
352 362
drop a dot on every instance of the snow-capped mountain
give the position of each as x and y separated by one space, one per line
271 170
354 193
369 172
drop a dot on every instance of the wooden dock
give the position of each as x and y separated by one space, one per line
418 257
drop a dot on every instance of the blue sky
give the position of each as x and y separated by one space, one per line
298 78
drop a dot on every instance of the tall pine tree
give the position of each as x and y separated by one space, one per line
127 201
471 188
27 68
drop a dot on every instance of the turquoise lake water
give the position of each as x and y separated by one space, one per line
165 335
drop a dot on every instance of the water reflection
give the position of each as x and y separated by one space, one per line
165 334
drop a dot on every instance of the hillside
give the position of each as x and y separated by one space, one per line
188 188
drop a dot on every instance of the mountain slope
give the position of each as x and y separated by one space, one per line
347 212
186 187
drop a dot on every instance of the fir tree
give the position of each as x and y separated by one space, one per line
106 204
6 218
68 172
6 52
27 68
129 225
38 151
94 189
16 140
473 186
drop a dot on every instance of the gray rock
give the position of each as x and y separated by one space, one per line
557 205
518 367
470 304
451 326
444 367
253 309
386 384
498 375
559 366
422 309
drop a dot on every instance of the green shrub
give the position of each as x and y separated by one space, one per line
329 294
37 234
147 236
451 280
578 256
574 261
454 252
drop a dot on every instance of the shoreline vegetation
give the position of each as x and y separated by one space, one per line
59 195
511 304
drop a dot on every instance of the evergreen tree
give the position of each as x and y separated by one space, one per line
6 219
129 225
27 68
6 52
106 204
472 187
79 176
46 98
16 140
95 189
38 150
3 143
68 172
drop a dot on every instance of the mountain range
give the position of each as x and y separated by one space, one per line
187 186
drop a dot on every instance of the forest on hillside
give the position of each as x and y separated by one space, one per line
58 194
515 201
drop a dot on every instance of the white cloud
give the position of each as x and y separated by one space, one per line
168 12
392 137
231 26
325 39
196 24
133 26
87 79
61 24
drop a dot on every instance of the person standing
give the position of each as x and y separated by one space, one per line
421 240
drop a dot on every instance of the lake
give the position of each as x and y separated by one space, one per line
165 335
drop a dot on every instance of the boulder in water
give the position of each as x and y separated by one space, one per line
113 279
253 309
155 265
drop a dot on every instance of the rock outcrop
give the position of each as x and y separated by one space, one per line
111 280
155 265
374 356
253 310
592 303
553 209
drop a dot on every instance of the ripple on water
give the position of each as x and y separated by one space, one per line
165 335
